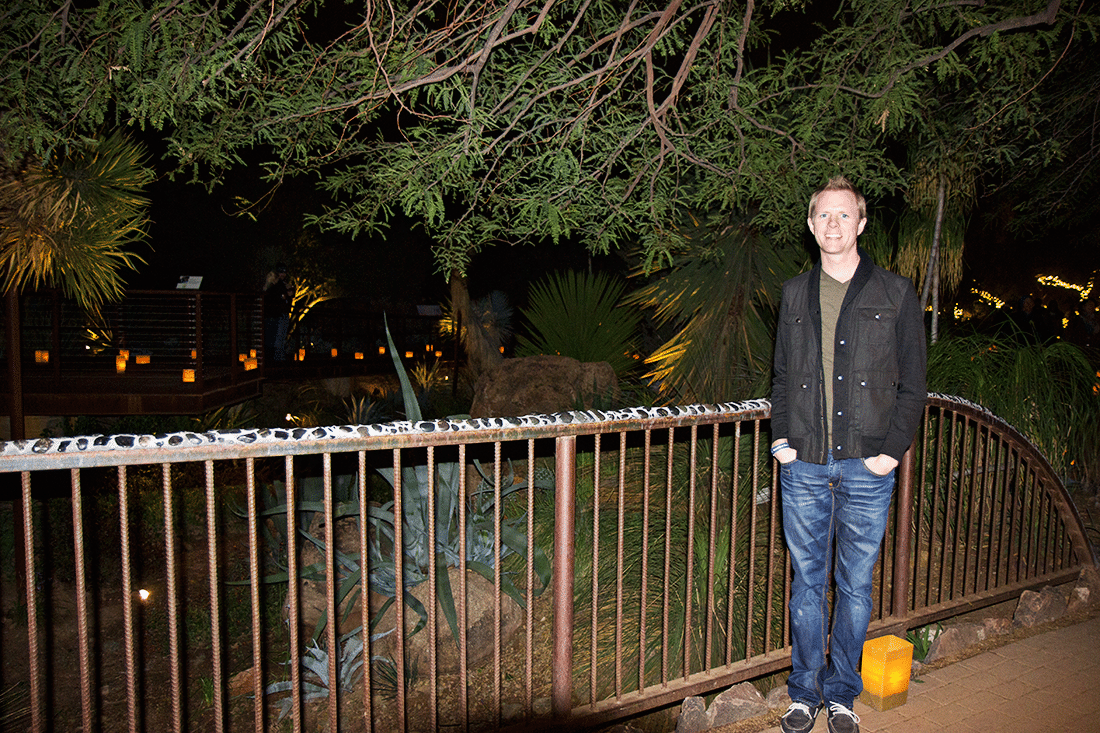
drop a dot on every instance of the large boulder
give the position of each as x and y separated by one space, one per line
543 384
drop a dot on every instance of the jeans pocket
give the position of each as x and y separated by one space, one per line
868 469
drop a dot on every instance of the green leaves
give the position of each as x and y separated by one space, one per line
579 315
72 221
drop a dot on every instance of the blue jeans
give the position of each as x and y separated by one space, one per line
842 502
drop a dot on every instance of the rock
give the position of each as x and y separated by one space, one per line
1078 599
243 683
953 640
542 384
1038 608
996 626
693 716
778 699
737 703
1086 593
479 626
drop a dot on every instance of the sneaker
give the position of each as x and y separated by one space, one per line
799 717
842 719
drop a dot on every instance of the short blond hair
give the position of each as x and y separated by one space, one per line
839 183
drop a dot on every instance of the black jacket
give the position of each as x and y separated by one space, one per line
879 390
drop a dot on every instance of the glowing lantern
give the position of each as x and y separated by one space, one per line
408 355
120 364
359 355
241 357
189 375
124 353
250 364
382 352
251 353
42 357
301 354
438 354
334 353
194 353
141 359
887 665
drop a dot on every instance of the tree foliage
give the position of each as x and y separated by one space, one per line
538 120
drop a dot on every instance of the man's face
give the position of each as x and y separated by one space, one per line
835 222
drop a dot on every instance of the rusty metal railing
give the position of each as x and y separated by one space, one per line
598 565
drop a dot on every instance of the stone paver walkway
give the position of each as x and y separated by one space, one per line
1045 683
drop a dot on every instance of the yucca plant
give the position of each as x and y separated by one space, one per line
579 314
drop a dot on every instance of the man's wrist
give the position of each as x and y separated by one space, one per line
780 445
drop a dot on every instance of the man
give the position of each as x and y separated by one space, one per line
277 301
848 392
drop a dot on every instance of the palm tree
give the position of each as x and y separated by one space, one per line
720 295
70 221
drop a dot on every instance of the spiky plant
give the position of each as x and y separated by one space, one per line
71 221
720 295
579 314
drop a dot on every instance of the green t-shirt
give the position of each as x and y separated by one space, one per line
832 297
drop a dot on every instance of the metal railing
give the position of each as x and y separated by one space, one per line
581 567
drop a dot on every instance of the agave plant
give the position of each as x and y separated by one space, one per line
315 681
480 551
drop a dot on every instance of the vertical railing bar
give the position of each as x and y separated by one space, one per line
948 493
254 596
86 704
647 438
127 601
1037 501
498 522
399 586
960 433
460 604
595 589
973 455
364 594
933 518
921 498
666 588
904 557
772 530
433 591
989 494
1032 534
1048 544
712 549
38 723
1004 455
292 594
751 591
1016 526
332 582
731 580
215 602
619 566
173 605
565 459
528 683
689 589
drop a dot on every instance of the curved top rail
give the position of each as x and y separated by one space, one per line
1045 473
